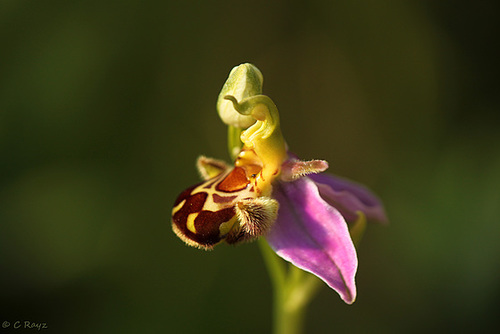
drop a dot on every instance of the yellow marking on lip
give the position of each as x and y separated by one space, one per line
190 222
224 228
178 207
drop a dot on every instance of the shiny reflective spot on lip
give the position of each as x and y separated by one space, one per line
235 181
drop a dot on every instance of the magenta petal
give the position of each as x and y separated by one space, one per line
349 197
313 236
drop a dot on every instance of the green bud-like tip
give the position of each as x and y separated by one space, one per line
245 80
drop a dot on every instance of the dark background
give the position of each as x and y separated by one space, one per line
105 105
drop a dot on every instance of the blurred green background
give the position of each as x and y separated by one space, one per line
105 105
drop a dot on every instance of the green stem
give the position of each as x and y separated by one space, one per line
293 290
234 143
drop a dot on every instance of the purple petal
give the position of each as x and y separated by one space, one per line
313 236
349 197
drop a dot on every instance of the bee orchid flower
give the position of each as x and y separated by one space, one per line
305 215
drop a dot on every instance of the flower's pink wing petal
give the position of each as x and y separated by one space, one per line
313 236
349 197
